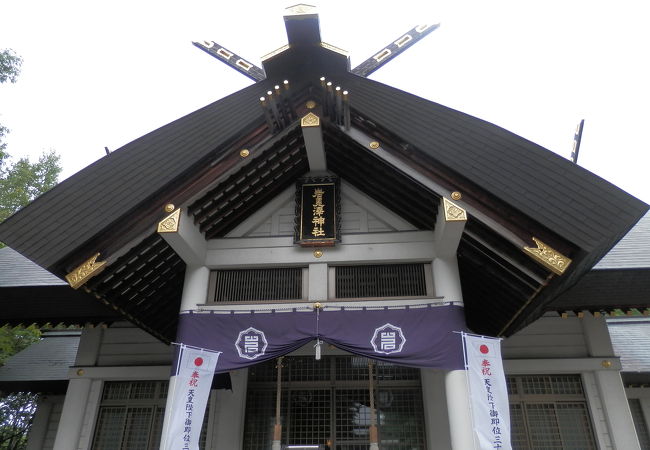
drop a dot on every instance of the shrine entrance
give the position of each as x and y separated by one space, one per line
327 403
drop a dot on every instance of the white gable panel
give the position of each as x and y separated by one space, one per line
359 214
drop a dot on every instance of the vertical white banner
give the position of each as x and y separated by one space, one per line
488 392
189 392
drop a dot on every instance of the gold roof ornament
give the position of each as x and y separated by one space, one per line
170 223
553 260
310 120
453 212
85 271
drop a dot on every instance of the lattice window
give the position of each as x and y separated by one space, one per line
131 416
640 423
327 402
549 412
381 281
257 285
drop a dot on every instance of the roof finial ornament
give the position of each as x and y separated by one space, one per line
303 31
393 49
231 59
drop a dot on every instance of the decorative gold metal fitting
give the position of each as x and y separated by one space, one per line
581 314
456 195
85 271
453 212
548 257
374 145
170 223
318 305
597 314
310 104
606 363
564 315
244 153
318 253
80 372
169 207
310 120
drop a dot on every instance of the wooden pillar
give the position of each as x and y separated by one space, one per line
74 408
195 291
447 284
610 385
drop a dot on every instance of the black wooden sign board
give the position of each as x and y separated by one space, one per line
318 208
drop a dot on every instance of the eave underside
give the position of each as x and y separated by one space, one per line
51 305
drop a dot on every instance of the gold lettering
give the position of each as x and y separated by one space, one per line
318 213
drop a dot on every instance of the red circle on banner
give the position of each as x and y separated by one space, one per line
484 349
198 361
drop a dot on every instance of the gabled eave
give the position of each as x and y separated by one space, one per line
429 151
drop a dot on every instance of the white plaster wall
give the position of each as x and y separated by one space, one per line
548 337
553 345
359 214
643 395
597 412
125 344
92 409
227 412
436 418
45 425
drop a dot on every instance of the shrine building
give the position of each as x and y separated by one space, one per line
289 215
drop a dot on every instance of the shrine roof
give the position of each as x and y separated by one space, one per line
514 190
16 270
631 252
43 366
631 340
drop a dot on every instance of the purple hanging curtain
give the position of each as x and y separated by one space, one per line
422 335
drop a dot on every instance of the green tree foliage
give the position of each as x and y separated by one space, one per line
23 181
20 183
10 65
15 339
16 415
16 408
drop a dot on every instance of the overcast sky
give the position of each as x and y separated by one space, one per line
102 74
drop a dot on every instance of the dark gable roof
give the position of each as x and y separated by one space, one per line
113 205
43 366
576 204
631 252
631 340
16 270
620 280
30 294
108 191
